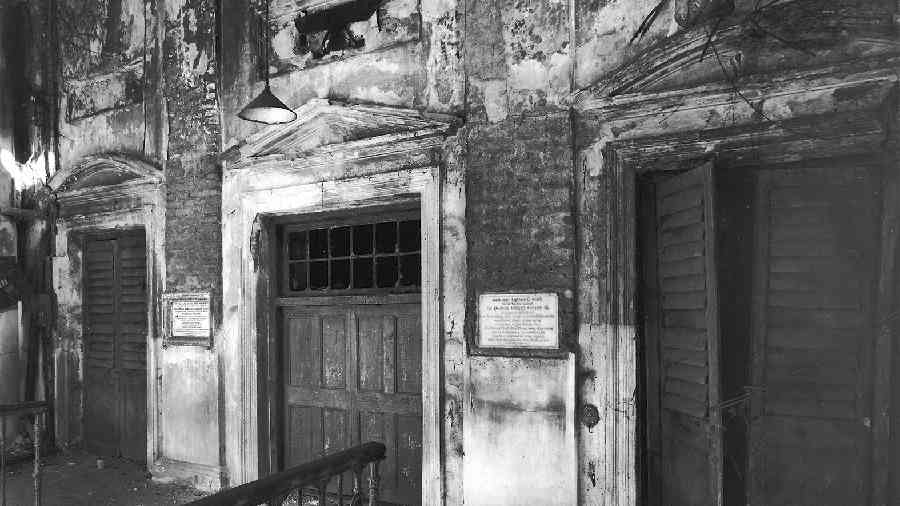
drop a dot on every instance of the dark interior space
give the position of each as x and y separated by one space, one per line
764 360
735 189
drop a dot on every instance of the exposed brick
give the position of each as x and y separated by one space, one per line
194 228
519 211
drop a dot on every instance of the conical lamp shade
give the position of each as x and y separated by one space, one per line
266 108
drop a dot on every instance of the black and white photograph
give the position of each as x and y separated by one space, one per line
450 252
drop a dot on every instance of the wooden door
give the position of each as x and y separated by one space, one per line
352 375
813 336
682 337
115 340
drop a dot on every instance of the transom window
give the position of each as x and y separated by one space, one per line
352 257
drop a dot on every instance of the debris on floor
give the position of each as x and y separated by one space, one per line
75 479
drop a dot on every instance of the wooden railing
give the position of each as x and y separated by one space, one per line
275 489
37 409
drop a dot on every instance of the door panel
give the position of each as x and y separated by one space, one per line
353 374
115 337
685 442
813 337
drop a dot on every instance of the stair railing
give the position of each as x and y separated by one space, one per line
275 489
37 409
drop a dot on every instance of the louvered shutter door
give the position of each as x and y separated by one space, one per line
688 352
101 413
131 346
813 336
115 337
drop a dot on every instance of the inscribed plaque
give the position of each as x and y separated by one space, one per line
190 317
518 320
187 319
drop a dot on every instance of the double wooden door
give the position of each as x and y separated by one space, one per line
812 251
352 374
115 344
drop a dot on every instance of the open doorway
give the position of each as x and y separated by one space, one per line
758 333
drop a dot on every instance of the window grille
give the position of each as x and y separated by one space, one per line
352 258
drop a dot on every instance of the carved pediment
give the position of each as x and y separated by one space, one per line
322 123
779 37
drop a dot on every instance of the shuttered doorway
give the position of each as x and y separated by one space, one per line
115 340
351 341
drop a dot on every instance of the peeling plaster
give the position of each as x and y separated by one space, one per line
604 36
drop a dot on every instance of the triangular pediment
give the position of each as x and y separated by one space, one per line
323 122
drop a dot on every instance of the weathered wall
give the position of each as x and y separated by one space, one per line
519 432
520 235
139 77
189 394
102 47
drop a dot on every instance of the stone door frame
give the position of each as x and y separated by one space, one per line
369 171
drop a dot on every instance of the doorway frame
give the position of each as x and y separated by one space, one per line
138 203
636 131
249 225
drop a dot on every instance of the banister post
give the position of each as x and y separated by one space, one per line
3 460
37 458
373 483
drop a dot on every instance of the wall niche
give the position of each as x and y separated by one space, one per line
303 34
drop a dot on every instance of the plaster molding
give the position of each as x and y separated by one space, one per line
94 170
325 127
835 110
782 36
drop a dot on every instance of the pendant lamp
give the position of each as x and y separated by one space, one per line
267 108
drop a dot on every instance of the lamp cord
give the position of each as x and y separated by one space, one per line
266 44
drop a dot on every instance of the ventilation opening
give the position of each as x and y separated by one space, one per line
329 30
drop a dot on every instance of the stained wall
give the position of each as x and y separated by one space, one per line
163 80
